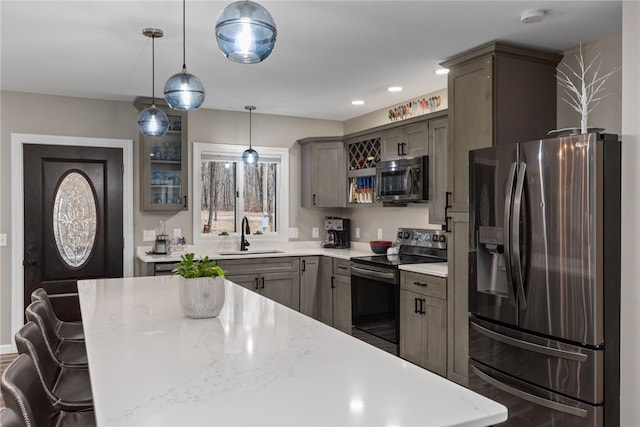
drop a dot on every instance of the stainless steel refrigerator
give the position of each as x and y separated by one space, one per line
544 279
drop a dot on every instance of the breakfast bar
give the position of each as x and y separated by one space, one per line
257 363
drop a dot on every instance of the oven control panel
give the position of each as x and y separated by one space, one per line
421 237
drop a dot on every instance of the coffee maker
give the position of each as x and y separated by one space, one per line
338 233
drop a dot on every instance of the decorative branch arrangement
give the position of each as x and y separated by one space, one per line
587 93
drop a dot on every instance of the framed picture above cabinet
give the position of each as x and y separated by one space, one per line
164 167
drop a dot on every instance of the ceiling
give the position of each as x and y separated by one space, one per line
328 53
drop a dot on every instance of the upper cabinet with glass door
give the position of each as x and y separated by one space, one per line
163 183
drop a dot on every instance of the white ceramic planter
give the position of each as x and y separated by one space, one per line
202 297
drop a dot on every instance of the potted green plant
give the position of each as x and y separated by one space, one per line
201 286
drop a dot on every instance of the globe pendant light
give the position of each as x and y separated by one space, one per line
246 32
250 156
184 91
152 121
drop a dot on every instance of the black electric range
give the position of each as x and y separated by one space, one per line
375 285
415 246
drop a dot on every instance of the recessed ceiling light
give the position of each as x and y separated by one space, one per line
395 88
442 71
357 102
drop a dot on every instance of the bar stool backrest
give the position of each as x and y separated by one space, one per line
23 393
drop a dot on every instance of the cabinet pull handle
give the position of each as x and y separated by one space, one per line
304 265
422 301
447 206
262 287
185 202
404 153
399 151
256 279
332 282
314 199
420 284
415 305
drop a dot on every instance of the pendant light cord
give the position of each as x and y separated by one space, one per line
184 36
250 130
153 69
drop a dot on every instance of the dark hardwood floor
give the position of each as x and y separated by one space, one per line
5 360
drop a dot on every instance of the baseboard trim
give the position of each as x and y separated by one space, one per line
8 349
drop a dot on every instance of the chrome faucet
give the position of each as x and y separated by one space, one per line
245 229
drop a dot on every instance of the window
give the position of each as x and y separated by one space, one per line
228 190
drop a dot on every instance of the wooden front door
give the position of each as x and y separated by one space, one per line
73 226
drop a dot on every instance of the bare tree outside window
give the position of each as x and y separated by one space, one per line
220 198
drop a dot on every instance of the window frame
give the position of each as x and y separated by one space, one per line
282 192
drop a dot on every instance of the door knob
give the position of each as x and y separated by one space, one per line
30 262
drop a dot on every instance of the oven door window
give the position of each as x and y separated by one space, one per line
375 307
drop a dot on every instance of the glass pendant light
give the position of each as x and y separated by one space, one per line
245 32
250 156
184 91
152 121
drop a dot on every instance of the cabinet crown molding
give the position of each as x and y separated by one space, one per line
502 49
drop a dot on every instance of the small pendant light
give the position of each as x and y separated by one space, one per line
184 91
246 32
152 121
250 156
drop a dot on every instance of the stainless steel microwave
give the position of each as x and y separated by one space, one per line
403 180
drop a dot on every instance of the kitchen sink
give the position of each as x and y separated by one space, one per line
252 252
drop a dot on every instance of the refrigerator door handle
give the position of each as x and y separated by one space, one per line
515 235
526 345
507 231
560 407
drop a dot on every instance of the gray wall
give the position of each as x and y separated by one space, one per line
630 298
66 116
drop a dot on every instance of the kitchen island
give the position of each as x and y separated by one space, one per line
257 363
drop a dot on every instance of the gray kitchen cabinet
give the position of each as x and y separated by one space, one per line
334 296
323 172
249 281
275 278
458 295
281 287
325 291
470 123
497 94
438 165
423 321
309 286
342 302
404 141
164 163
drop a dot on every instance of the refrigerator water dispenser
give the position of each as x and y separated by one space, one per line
492 273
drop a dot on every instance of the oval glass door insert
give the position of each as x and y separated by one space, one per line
74 219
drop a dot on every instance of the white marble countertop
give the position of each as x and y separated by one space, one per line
439 269
257 363
257 251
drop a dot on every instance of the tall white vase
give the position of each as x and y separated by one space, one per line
202 297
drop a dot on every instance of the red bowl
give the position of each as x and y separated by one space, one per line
380 246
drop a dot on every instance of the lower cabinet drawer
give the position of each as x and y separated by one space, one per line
424 284
341 267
